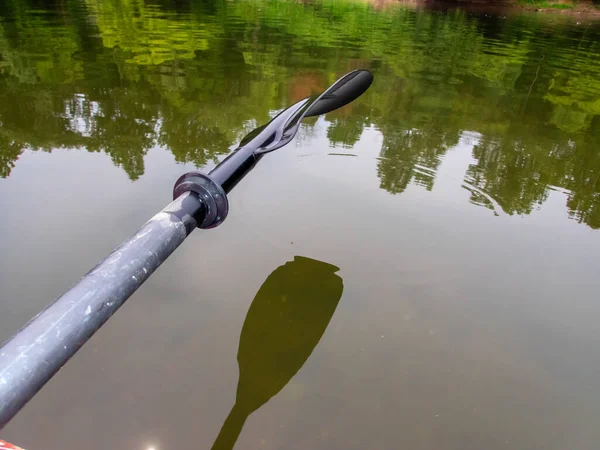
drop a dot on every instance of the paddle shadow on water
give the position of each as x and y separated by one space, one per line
284 324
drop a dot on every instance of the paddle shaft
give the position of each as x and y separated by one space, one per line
33 355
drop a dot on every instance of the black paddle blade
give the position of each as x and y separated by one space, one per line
282 129
283 326
343 91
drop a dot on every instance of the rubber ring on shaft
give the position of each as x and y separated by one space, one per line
211 193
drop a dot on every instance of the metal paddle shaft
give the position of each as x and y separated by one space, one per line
32 356
38 350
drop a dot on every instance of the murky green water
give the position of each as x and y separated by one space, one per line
459 198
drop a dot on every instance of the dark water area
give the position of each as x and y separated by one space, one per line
432 247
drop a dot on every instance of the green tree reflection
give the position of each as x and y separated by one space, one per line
121 76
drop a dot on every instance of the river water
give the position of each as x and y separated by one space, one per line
418 270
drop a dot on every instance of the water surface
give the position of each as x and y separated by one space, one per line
459 198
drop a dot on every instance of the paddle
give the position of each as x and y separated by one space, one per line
32 356
284 324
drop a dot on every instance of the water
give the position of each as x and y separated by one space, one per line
459 198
